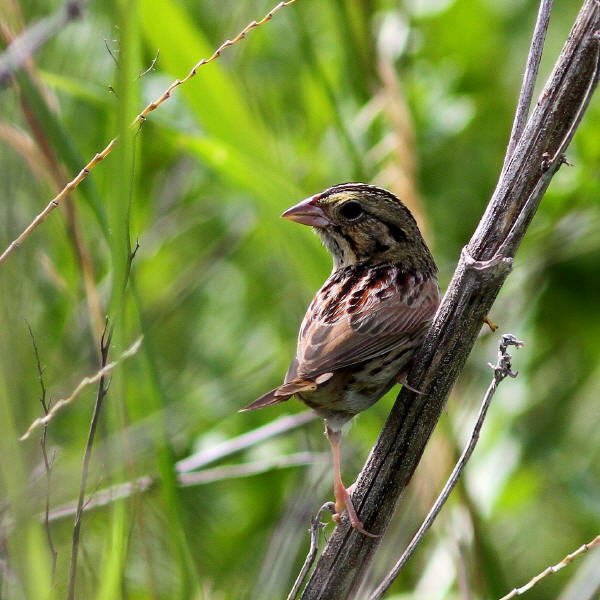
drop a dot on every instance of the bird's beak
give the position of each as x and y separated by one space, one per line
308 213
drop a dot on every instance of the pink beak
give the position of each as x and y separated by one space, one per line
308 213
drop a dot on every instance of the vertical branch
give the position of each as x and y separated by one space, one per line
47 463
102 389
531 71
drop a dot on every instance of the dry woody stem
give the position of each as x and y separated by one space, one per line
484 265
529 77
138 121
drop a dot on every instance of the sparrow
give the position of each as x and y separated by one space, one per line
363 326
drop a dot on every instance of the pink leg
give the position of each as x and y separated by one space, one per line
342 495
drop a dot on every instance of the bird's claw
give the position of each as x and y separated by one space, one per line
401 379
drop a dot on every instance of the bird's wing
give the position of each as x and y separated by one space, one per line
347 324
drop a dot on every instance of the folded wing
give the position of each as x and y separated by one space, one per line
385 311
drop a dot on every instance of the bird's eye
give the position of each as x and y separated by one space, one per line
351 210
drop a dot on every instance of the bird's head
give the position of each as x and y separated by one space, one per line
360 223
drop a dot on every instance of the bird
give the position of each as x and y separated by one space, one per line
362 328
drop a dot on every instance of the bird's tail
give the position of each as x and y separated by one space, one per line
287 390
267 399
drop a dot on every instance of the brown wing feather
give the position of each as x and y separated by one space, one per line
357 316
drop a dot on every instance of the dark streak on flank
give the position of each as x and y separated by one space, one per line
402 279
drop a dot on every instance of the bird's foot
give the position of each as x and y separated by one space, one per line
345 499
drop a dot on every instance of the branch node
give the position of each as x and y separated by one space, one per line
151 67
74 10
503 367
498 262
546 161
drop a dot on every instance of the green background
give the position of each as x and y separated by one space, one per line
416 96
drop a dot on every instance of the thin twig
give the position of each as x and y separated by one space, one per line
110 52
151 67
47 463
315 530
502 369
85 382
531 71
240 36
55 202
106 496
40 218
104 348
553 569
121 491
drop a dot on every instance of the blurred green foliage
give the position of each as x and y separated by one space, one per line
416 96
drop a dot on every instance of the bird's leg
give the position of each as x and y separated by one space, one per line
339 490
342 495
